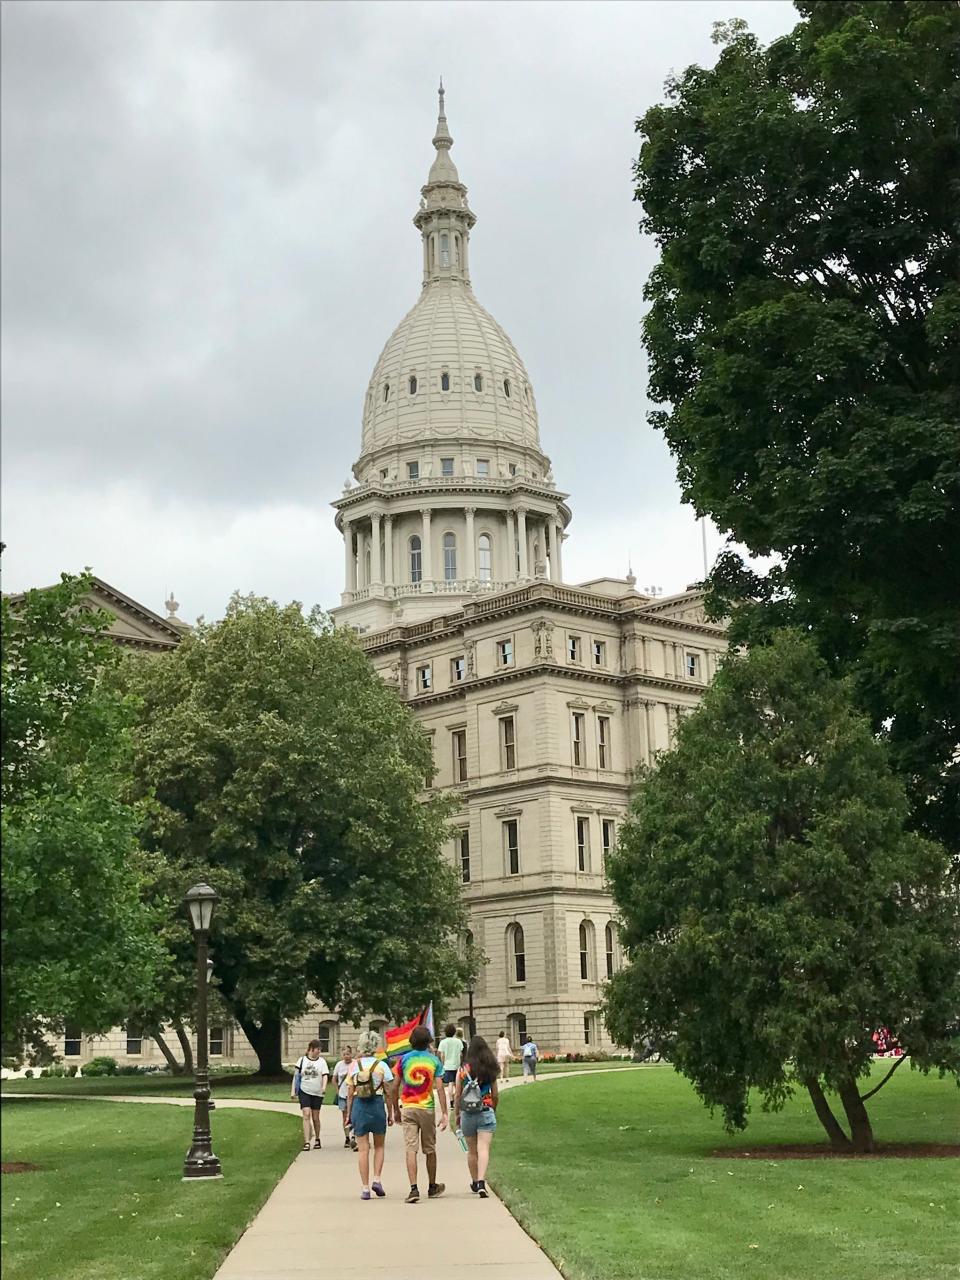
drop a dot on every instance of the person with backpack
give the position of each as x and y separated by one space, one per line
341 1073
369 1080
475 1109
504 1055
529 1055
310 1077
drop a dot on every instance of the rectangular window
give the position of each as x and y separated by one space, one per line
72 1038
599 653
511 846
579 754
574 649
463 853
446 466
413 470
384 472
508 742
458 669
583 844
134 1041
693 666
513 468
459 737
603 742
504 653
323 1035
216 1042
483 466
587 1029
608 835
424 678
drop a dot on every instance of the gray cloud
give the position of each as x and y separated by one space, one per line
207 239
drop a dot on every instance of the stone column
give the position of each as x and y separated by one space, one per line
651 730
522 541
426 548
349 564
644 656
560 537
376 569
388 550
470 558
552 542
511 566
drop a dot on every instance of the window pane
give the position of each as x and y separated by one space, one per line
72 1038
463 842
446 466
449 557
483 466
216 1042
416 571
485 558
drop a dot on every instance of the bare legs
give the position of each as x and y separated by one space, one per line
431 1160
311 1121
482 1145
363 1158
472 1157
378 1154
505 1069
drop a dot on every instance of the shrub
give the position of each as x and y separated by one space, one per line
100 1067
28 1074
71 1070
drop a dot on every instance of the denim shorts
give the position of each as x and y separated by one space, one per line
368 1115
474 1122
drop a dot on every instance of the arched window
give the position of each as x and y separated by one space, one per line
444 249
506 387
413 385
516 955
468 940
485 557
386 392
478 382
586 951
517 1029
449 557
610 947
456 251
444 382
416 559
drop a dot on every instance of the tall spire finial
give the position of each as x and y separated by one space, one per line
442 140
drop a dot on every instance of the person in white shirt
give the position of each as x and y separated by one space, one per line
310 1078
340 1074
503 1053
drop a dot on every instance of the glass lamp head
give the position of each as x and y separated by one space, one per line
200 901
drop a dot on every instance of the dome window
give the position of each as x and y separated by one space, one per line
485 557
478 382
386 392
413 385
506 387
449 557
416 571
444 382
444 249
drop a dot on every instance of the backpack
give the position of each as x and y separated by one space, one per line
471 1096
365 1085
529 1051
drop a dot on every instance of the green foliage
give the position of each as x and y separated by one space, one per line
103 1066
77 942
775 910
289 776
803 330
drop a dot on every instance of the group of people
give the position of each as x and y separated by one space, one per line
373 1095
529 1056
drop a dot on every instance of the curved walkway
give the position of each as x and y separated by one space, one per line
314 1226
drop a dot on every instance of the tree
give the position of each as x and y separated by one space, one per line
803 336
289 776
77 942
776 910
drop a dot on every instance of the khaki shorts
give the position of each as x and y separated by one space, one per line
420 1126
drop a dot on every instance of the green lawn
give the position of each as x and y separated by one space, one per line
613 1177
109 1204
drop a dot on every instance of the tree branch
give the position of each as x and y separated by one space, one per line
878 1087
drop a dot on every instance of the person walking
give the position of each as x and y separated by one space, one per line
504 1055
341 1074
420 1076
368 1098
529 1055
310 1077
475 1109
450 1052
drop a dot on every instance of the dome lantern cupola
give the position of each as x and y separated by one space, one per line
444 218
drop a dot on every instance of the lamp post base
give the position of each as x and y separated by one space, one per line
198 1167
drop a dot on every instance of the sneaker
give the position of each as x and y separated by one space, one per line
364 1195
482 1190
474 1187
346 1144
316 1144
437 1189
353 1143
378 1190
413 1196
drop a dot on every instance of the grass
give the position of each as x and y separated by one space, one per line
613 1177
108 1203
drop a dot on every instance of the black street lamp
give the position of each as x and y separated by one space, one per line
200 1161
470 1018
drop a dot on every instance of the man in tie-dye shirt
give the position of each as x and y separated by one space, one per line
420 1074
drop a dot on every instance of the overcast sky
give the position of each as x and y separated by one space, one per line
207 240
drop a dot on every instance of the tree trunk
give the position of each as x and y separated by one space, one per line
861 1131
838 1139
175 1066
185 1045
266 1038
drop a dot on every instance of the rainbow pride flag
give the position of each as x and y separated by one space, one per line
397 1039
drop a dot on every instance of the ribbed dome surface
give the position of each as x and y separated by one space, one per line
448 340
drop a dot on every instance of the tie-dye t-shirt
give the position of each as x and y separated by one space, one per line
418 1070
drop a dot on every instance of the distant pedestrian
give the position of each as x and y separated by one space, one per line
420 1075
341 1074
367 1110
504 1054
475 1109
529 1055
450 1053
463 1042
310 1077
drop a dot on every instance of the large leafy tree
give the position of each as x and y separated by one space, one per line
77 942
776 910
804 337
290 777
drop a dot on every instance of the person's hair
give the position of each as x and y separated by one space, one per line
420 1037
347 1048
503 1033
480 1060
449 1029
460 1032
367 1042
314 1044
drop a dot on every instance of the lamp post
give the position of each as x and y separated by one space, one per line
200 1161
470 1018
